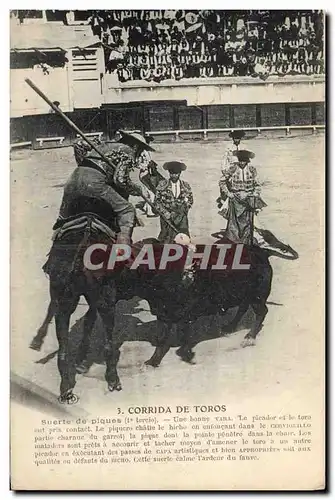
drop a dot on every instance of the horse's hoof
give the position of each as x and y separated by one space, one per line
114 386
83 368
36 344
248 342
68 398
151 362
186 355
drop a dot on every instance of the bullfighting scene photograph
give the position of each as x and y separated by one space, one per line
167 198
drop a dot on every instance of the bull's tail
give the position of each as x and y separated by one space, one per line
288 253
275 247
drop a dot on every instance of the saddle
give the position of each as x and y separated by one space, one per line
79 222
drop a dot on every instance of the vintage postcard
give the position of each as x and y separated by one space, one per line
167 249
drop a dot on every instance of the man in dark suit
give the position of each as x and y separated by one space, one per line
173 199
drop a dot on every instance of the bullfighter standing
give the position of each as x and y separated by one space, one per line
229 159
240 187
173 199
149 177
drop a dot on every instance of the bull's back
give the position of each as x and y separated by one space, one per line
173 300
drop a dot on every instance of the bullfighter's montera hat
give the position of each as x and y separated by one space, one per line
174 166
134 139
237 134
244 155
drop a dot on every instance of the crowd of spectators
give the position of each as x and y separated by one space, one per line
160 45
165 44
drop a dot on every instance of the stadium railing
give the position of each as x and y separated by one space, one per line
206 132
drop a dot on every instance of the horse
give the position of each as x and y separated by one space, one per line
69 280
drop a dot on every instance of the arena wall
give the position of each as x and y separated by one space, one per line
229 90
185 112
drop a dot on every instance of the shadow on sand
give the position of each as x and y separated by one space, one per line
129 328
31 395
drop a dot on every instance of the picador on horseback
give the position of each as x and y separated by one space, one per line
95 187
94 209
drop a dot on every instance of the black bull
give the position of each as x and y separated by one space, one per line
175 298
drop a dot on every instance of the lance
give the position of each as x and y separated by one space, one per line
73 126
252 220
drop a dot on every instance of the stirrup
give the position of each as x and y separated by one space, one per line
68 398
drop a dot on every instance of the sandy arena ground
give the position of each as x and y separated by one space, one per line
285 362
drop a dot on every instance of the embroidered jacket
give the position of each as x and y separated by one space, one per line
168 204
122 157
234 178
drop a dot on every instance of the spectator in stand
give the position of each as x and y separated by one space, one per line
221 58
176 34
136 69
116 56
164 55
250 55
158 74
122 73
96 23
301 63
261 69
144 60
145 72
202 68
241 68
184 47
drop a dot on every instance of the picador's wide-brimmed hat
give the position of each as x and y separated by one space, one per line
174 166
237 134
244 155
134 139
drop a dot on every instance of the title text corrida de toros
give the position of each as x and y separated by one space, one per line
146 410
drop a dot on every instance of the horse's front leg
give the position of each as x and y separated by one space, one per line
66 355
42 332
84 362
106 308
163 344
